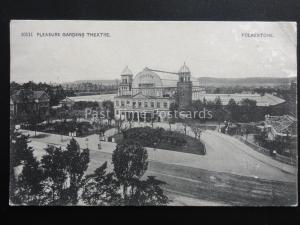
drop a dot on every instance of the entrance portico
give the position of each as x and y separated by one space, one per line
142 116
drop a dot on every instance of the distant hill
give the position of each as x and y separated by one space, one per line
249 81
103 82
213 81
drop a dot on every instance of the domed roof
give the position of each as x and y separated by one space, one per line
146 77
184 69
126 71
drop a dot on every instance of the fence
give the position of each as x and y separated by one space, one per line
280 158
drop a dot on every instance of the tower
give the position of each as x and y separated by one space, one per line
126 82
184 88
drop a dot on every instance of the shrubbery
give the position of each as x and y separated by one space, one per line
152 137
64 127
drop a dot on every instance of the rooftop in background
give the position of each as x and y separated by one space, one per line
283 124
265 100
26 95
93 98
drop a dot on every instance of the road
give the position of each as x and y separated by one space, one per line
230 173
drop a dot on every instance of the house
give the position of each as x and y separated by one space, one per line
28 101
280 126
67 102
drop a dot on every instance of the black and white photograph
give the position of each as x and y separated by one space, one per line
153 113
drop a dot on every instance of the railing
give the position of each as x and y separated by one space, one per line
280 158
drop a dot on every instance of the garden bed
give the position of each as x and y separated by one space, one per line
162 139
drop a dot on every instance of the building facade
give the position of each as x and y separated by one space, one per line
28 101
146 97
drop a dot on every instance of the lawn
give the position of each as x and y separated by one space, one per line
162 139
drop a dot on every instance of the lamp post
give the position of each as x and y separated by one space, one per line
61 133
87 142
100 136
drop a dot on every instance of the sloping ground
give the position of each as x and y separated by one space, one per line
230 172
194 186
224 188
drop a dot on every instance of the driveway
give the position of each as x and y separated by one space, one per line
223 154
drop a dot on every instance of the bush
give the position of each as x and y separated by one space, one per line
152 137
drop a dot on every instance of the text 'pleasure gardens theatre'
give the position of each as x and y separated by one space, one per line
147 94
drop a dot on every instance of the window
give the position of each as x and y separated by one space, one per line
152 104
117 103
145 104
117 112
165 104
140 104
158 104
128 102
134 104
122 103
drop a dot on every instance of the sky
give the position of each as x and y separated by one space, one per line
209 49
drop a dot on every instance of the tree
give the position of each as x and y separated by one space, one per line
119 123
29 183
149 193
76 164
54 167
109 109
33 120
218 110
170 121
101 188
248 110
195 127
63 171
173 109
25 187
233 110
130 164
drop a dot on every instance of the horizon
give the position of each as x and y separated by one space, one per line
87 80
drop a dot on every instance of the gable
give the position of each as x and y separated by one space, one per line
43 97
140 96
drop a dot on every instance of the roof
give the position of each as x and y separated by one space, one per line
39 94
126 71
146 77
93 98
283 124
136 96
265 100
184 69
27 95
67 99
173 82
142 96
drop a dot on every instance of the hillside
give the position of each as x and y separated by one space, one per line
215 81
249 81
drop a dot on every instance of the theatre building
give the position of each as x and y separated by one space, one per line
147 96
